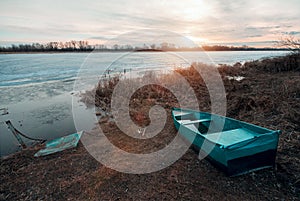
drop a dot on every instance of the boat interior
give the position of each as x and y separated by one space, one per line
219 129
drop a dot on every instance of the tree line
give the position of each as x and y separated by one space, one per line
84 46
51 46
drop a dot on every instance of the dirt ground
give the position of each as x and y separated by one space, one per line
263 97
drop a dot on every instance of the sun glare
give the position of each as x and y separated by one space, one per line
197 40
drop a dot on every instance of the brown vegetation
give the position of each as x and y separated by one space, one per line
268 96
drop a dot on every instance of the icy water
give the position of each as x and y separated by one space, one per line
37 89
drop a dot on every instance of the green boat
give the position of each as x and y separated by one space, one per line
234 146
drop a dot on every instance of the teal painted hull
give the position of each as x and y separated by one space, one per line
60 144
234 146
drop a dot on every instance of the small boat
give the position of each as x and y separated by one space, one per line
234 146
60 144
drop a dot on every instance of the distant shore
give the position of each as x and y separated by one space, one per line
143 50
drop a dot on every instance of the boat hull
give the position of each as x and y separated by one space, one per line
247 155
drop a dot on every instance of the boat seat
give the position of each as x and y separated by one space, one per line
186 122
179 113
230 137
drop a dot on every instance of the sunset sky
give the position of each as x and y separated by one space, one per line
234 22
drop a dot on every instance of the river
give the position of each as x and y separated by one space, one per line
37 89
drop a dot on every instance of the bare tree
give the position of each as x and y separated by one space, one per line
289 41
116 47
164 45
153 46
61 45
81 44
74 44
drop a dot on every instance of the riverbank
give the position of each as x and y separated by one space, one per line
268 95
34 99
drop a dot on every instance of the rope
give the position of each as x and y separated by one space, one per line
23 135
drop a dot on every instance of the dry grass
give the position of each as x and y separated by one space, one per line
267 97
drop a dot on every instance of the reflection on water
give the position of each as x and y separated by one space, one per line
45 119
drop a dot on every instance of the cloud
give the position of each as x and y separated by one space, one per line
294 33
254 36
215 20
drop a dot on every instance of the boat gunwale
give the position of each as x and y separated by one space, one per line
255 137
